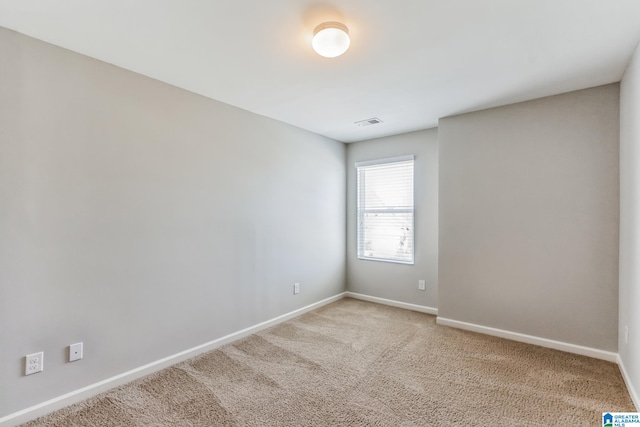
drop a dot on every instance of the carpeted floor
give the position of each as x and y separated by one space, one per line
358 363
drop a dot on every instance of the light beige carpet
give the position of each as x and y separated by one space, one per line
357 363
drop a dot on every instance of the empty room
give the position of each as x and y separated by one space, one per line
302 213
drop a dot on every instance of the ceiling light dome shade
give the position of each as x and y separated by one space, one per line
331 39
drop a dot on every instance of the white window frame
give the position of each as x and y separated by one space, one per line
362 209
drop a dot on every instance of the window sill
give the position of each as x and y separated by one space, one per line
393 261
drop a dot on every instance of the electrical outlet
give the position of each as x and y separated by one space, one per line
421 285
75 352
626 335
34 363
296 288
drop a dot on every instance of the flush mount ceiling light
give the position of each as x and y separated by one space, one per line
331 39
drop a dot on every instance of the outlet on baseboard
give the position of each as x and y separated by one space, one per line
421 285
296 288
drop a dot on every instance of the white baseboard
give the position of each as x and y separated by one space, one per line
530 339
384 301
102 386
627 380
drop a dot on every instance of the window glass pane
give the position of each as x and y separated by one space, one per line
388 236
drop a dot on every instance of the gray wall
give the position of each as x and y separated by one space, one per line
630 222
399 282
529 217
144 220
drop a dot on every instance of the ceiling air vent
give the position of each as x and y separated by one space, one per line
369 122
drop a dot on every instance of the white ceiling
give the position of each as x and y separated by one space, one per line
410 62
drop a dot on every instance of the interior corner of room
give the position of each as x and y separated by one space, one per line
151 223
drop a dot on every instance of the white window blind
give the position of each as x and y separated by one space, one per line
385 210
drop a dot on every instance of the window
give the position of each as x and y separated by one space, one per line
385 210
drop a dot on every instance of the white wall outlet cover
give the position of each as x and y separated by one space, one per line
75 352
626 335
34 363
421 285
296 288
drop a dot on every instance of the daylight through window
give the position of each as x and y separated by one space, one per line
385 210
